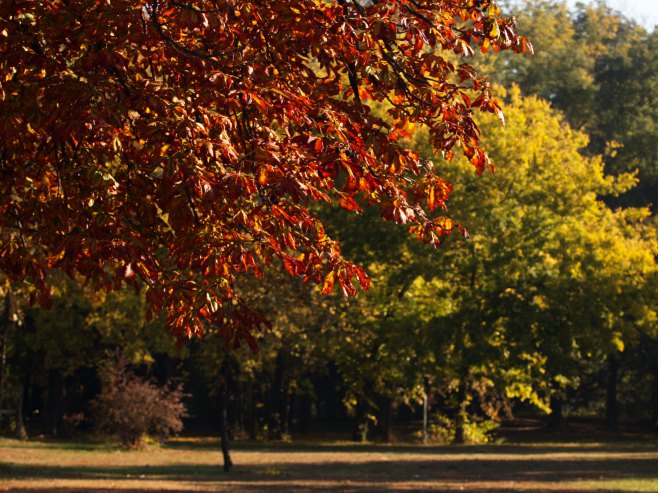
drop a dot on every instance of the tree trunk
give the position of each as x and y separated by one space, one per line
305 413
252 398
460 419
291 411
361 425
387 419
611 405
654 397
53 405
556 418
21 432
284 412
425 436
3 363
223 417
5 324
239 410
276 401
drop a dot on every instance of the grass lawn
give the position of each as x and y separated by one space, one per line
191 465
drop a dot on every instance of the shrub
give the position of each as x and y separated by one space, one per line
443 430
133 408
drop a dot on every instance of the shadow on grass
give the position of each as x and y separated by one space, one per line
87 445
486 468
311 467
490 449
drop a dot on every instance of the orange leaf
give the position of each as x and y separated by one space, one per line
328 285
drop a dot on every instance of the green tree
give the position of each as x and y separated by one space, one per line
548 276
567 268
598 68
626 129
568 47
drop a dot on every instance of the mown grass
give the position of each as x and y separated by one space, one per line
191 465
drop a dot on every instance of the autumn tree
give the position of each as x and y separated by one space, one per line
179 144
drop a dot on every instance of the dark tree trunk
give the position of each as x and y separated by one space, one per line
460 419
52 412
253 411
291 412
329 402
556 418
361 424
239 409
277 401
305 413
223 417
5 325
387 419
284 411
654 397
21 432
3 363
611 405
425 416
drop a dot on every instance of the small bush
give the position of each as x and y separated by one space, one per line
133 408
443 430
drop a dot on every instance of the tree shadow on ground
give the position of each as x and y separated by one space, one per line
442 450
345 467
334 487
381 471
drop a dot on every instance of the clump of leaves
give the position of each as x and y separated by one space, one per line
133 408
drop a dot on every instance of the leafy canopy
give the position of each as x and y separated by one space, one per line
180 144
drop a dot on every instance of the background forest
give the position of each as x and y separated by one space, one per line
547 308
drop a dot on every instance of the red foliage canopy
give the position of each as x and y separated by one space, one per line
181 142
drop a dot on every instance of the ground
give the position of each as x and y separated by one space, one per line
194 465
